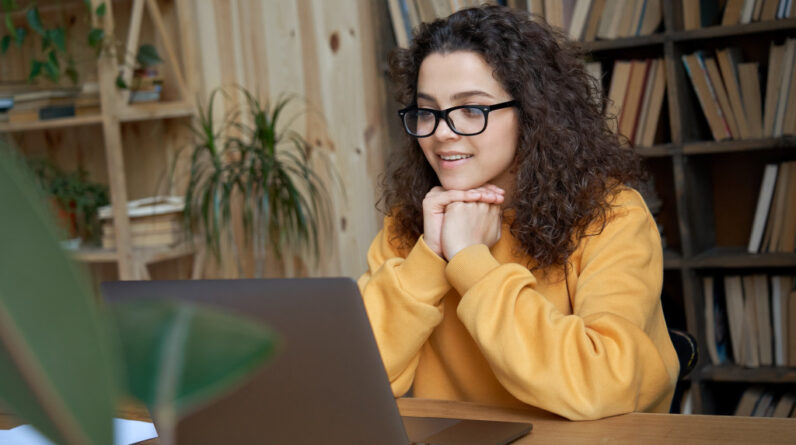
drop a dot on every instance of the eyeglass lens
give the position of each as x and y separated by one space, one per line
466 120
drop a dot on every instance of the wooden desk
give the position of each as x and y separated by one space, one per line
635 428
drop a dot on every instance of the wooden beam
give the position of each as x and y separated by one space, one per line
133 33
157 18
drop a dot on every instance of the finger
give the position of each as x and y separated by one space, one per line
449 196
494 188
489 195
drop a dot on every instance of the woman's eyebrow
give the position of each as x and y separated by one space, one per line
466 94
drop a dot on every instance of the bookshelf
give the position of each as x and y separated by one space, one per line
709 188
135 141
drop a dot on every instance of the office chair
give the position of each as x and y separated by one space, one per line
687 351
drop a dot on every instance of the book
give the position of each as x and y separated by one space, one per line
763 206
709 105
784 405
773 87
721 94
750 94
733 294
769 10
763 311
554 13
398 25
732 12
792 326
750 350
787 239
747 10
616 92
785 88
691 17
650 123
727 59
780 285
749 398
580 15
593 20
779 205
653 15
635 91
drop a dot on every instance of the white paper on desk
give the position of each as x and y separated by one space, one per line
125 432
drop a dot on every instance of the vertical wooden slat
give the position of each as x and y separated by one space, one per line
133 33
342 78
109 100
171 54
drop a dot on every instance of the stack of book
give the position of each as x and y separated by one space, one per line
154 222
146 86
729 93
703 13
750 320
30 104
581 20
774 224
635 98
757 401
587 20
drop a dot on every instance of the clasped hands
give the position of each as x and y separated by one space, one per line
456 219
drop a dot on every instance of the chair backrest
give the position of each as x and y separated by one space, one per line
687 351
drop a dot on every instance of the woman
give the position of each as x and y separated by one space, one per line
516 265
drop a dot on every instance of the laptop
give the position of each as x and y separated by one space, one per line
326 383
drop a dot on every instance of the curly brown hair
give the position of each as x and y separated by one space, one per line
569 163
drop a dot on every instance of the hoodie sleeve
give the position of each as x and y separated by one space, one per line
403 299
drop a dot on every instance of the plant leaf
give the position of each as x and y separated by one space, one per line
58 38
4 43
10 26
34 20
120 83
19 39
51 70
148 55
95 37
35 69
185 354
56 360
100 11
9 5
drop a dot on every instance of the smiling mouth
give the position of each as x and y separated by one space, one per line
454 157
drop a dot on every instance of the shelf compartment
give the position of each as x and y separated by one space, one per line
92 119
738 257
713 32
624 43
146 255
709 147
733 373
672 259
156 110
657 151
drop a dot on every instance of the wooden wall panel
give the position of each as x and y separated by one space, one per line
324 53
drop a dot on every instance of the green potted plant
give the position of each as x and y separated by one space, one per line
75 198
66 363
252 155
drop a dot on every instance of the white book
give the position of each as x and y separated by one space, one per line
763 312
763 206
579 17
746 11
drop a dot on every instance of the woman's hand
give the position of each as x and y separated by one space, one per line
469 223
436 201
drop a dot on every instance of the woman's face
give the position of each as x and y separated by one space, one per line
467 162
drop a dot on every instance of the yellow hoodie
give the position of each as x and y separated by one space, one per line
483 328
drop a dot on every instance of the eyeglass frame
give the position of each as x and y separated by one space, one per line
443 114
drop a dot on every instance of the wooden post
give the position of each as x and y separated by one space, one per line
107 71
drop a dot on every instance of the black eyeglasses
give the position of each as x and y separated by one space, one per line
465 120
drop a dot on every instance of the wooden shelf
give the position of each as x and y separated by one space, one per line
713 32
156 110
146 255
660 150
733 373
624 43
738 257
709 147
76 121
672 259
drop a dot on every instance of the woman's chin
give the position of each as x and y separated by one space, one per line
459 185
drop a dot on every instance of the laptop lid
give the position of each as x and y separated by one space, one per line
326 384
